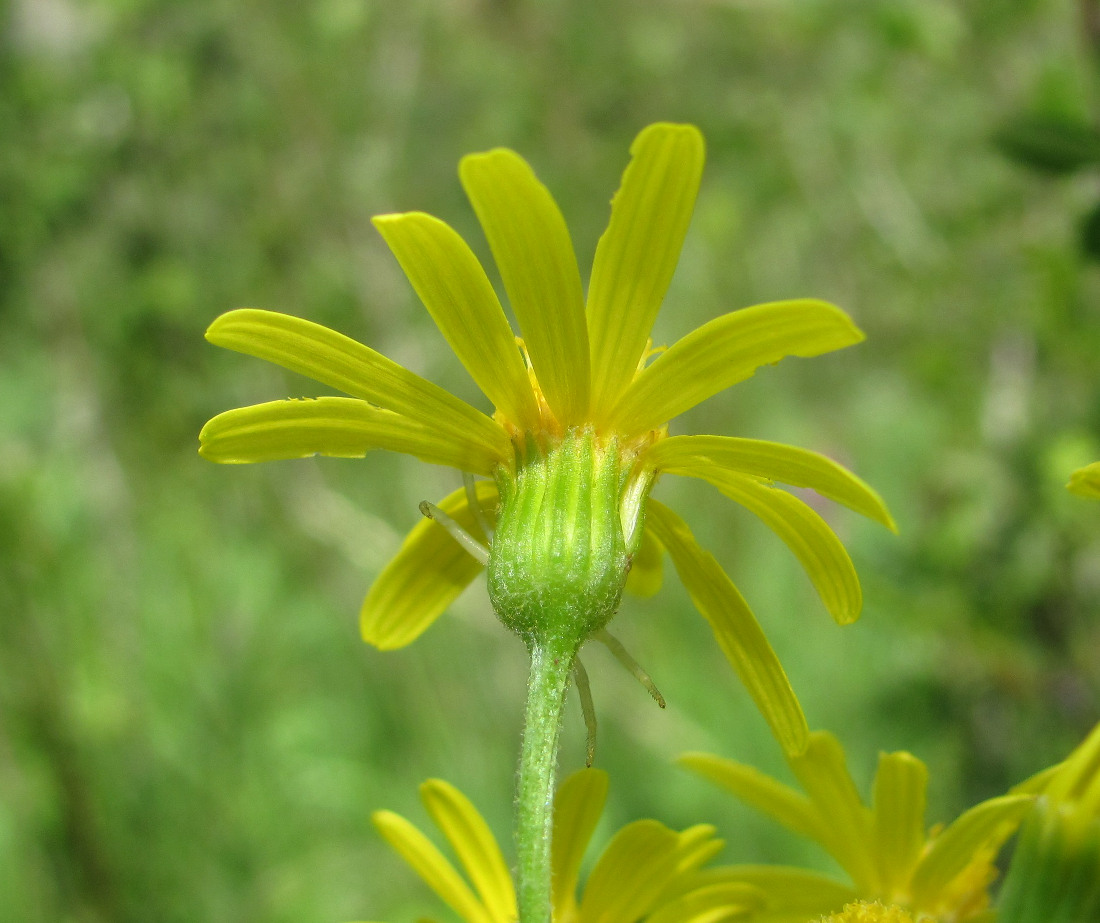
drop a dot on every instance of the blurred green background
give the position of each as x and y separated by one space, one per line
190 727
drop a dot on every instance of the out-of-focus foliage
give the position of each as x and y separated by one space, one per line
1057 138
190 728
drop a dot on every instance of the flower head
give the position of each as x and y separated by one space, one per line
646 872
942 874
1055 872
579 432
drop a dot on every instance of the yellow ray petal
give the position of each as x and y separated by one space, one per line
637 254
725 351
647 567
1078 778
475 846
984 826
775 461
697 846
823 772
808 536
457 293
534 254
630 874
724 901
430 864
1039 782
1085 482
424 577
734 626
341 427
901 784
758 790
577 809
802 894
342 363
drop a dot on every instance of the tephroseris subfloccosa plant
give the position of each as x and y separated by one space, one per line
578 438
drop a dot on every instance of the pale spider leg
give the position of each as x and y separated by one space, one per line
475 504
616 648
584 690
477 550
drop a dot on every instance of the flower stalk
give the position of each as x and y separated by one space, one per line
551 666
556 572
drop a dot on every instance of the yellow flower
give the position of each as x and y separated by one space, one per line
1055 872
1085 482
942 874
580 417
647 871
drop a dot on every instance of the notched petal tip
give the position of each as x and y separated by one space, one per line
481 158
671 128
388 219
636 256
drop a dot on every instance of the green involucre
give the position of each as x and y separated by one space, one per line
559 558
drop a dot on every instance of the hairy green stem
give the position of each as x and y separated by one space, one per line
551 666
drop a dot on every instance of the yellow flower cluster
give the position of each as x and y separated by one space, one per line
563 518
